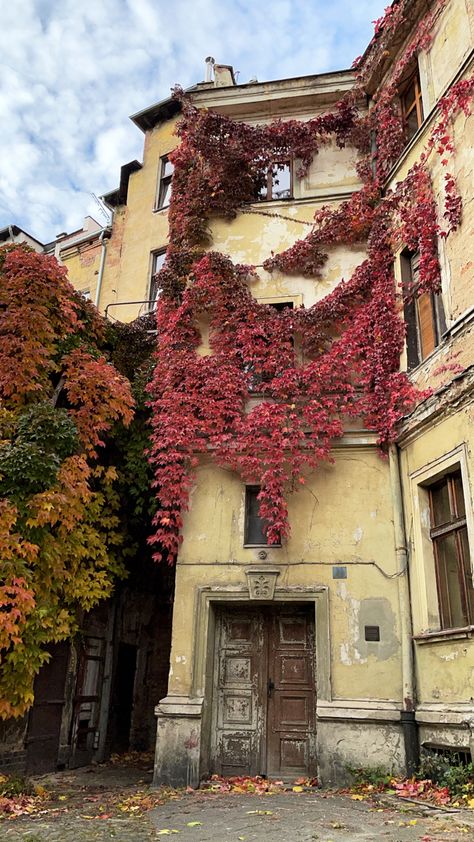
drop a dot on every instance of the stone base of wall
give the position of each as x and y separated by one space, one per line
13 762
178 742
347 737
446 726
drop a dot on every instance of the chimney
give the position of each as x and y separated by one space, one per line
210 62
223 75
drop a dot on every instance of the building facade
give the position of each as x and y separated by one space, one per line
350 643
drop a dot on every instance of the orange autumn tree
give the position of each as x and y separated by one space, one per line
60 537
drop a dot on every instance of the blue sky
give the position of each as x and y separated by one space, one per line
71 74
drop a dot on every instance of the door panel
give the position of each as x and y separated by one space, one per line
237 714
264 700
45 717
291 703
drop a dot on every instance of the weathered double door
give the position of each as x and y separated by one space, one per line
263 717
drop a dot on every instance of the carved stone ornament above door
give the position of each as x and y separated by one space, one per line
262 582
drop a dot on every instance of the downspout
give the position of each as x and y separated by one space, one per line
407 713
103 243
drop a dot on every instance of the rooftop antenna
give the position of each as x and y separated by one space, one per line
210 62
101 207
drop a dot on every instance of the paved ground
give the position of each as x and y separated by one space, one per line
99 804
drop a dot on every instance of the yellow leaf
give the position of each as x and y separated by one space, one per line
193 824
357 797
297 789
470 803
413 821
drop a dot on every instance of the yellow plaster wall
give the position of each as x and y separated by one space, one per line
452 41
445 670
325 532
142 230
82 264
139 230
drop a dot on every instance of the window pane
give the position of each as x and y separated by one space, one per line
254 524
168 169
454 611
165 192
281 181
466 563
409 97
412 124
158 261
426 324
441 510
458 495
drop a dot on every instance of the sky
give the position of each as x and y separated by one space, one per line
72 72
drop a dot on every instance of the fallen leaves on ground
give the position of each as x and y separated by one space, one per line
19 805
256 784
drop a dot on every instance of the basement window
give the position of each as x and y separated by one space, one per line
448 533
254 529
278 182
424 313
165 181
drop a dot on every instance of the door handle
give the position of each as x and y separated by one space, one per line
270 687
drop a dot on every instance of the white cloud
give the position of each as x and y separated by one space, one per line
72 73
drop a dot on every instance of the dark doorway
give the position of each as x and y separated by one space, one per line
264 691
44 722
122 700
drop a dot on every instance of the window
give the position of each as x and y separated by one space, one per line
86 293
158 259
254 533
412 105
278 182
451 552
424 313
164 186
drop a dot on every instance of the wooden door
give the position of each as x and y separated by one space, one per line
45 717
290 692
264 699
237 729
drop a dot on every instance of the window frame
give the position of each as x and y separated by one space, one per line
415 334
164 184
424 593
248 491
153 299
269 175
415 106
453 527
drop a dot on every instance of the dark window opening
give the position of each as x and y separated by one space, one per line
278 182
452 754
164 187
412 105
158 260
424 313
451 552
254 533
280 306
372 633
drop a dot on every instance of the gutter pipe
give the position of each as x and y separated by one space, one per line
103 243
407 713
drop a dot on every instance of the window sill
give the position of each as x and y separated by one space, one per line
159 210
262 546
429 357
444 634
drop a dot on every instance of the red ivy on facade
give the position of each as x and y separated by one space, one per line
310 368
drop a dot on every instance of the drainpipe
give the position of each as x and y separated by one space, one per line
407 714
103 243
